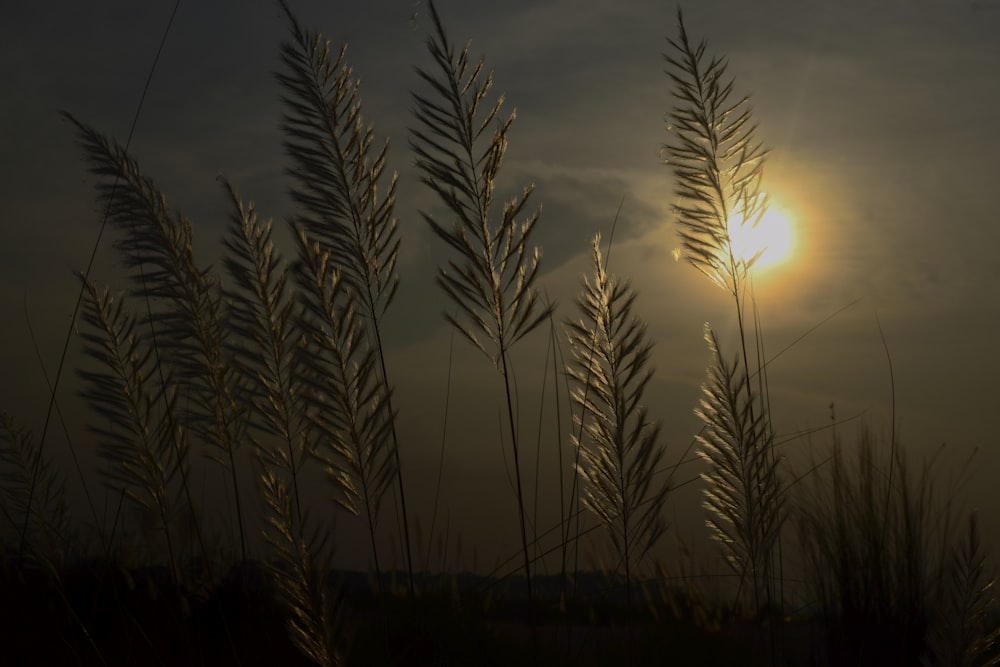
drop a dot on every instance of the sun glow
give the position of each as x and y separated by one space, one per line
771 240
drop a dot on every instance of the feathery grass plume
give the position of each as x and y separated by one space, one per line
345 199
963 635
267 343
336 173
460 145
718 165
744 494
317 622
351 412
619 448
50 537
134 435
459 142
187 332
716 160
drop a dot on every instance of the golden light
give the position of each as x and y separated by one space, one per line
773 237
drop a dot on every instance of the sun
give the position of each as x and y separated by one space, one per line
771 240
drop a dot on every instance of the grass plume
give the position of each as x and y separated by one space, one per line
716 159
284 351
266 341
718 165
743 493
50 536
187 333
460 141
619 448
316 624
135 436
966 633
351 411
346 199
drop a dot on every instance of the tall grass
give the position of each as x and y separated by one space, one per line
51 535
284 355
966 632
270 351
134 436
717 161
345 200
619 449
267 345
349 408
886 563
241 367
743 490
183 323
718 166
316 620
460 141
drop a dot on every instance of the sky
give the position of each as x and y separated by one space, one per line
881 121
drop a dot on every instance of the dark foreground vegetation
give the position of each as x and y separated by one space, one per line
273 367
102 614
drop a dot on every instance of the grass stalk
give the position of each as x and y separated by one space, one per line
157 245
98 526
743 492
963 634
459 145
350 405
337 179
619 446
444 442
316 623
90 265
718 164
124 393
874 586
20 469
266 341
290 357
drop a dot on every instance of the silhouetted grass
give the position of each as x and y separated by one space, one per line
620 449
277 371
